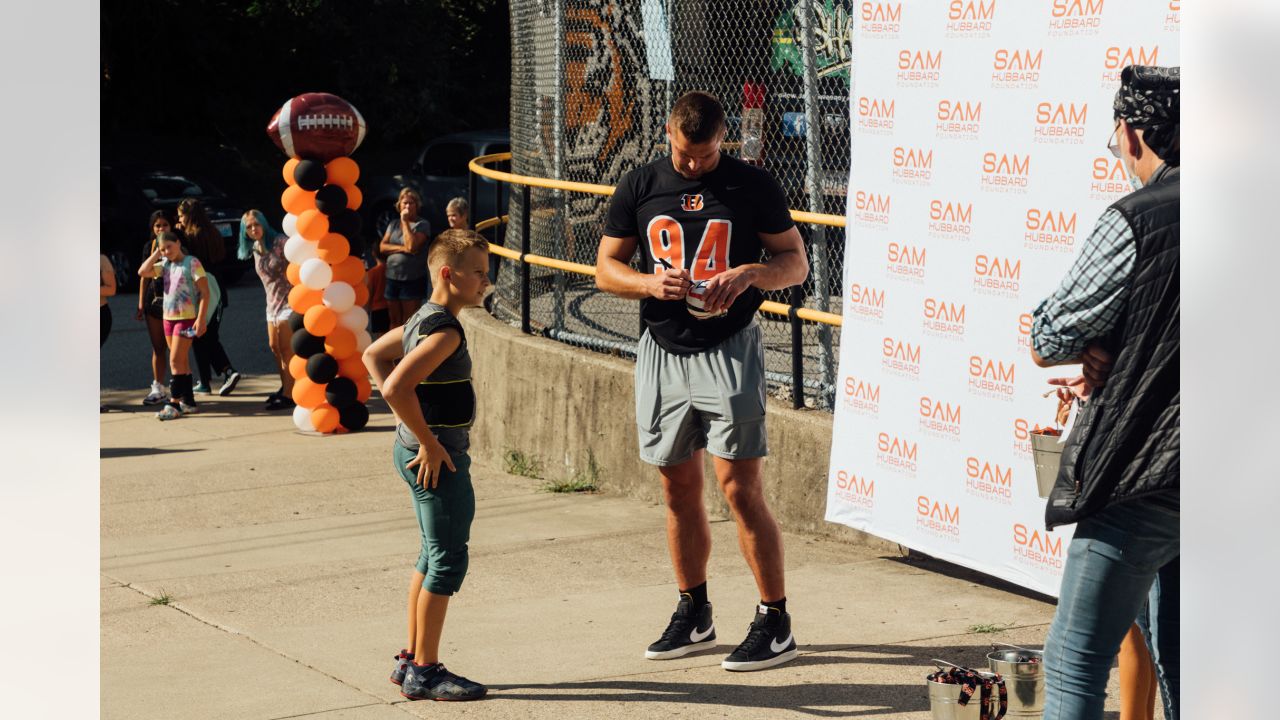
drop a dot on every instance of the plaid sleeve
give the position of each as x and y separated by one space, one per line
1087 304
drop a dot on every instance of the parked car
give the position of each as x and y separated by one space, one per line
129 196
438 174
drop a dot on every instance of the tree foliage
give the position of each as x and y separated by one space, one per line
210 73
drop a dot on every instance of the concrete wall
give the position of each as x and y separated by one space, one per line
566 405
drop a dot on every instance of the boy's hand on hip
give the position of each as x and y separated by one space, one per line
428 462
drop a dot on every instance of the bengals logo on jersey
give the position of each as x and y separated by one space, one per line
691 203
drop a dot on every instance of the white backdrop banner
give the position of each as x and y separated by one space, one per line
978 168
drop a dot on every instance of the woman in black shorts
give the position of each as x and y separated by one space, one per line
151 310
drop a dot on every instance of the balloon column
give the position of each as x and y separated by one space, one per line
331 386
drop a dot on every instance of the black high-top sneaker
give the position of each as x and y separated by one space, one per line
768 642
434 682
689 631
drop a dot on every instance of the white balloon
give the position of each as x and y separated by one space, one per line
316 274
354 319
363 339
339 296
298 249
290 225
302 419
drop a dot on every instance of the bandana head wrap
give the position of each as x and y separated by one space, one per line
1149 99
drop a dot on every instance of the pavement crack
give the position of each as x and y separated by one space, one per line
227 629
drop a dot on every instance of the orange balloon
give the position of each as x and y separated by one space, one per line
340 342
294 274
302 298
307 393
320 320
289 167
352 367
297 367
342 171
313 224
325 418
296 200
350 271
363 388
362 294
354 196
333 248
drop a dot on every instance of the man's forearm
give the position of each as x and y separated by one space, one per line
618 278
781 271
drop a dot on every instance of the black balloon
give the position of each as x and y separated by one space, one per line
305 344
346 223
321 368
310 175
354 416
295 321
340 393
356 246
331 200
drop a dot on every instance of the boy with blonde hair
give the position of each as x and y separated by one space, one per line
430 391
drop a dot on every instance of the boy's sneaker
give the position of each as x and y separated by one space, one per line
434 682
200 387
768 642
689 631
229 382
156 396
169 412
189 409
403 660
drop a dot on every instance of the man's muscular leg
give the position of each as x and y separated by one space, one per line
688 533
742 482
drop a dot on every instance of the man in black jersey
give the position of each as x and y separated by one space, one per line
701 217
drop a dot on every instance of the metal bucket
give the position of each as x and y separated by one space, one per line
1025 680
944 701
1046 450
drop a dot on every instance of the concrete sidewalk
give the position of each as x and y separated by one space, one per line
251 571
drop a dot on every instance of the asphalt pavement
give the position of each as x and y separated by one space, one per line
252 571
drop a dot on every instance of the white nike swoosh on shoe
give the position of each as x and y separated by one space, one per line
695 636
777 647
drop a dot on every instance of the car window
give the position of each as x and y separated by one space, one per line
447 159
162 187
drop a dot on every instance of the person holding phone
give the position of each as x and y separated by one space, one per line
404 243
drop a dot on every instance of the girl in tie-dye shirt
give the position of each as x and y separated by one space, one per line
186 307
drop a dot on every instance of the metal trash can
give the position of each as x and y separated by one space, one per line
1023 677
1046 450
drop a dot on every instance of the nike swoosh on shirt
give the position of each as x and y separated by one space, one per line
695 636
779 647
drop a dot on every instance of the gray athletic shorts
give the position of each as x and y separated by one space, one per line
713 399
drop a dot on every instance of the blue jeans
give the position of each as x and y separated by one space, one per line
1165 623
1112 561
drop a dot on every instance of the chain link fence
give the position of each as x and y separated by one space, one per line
592 82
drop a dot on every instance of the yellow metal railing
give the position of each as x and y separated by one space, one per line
478 166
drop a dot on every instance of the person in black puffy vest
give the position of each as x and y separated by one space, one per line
1116 313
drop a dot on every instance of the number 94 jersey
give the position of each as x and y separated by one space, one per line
706 226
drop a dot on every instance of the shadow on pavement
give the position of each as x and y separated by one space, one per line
108 453
941 567
817 699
